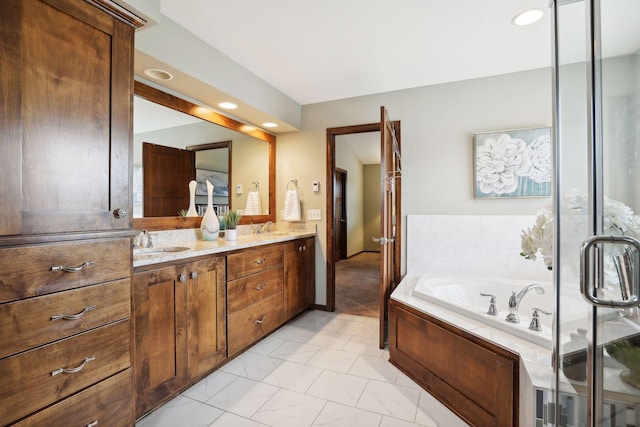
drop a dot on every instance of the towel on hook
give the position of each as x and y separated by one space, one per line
291 206
253 204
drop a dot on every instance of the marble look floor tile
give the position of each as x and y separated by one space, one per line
243 397
206 388
374 368
295 333
289 409
335 360
364 345
319 321
330 340
293 376
232 420
433 413
295 351
337 415
390 399
267 345
338 387
394 422
406 381
251 365
359 329
181 411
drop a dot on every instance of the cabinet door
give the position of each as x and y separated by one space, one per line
299 277
159 301
206 315
65 118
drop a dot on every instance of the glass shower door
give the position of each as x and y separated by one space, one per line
597 199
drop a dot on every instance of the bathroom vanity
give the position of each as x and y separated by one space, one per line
196 308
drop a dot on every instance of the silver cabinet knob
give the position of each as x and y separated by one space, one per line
120 213
194 274
182 278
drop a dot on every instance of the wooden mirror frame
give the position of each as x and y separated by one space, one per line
162 98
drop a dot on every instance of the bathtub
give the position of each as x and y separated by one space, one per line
462 295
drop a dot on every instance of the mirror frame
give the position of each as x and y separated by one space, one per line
162 98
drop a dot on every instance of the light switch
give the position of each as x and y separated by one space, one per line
239 189
316 186
314 214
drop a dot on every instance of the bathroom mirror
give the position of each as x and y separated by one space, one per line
204 132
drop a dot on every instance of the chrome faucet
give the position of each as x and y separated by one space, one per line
143 240
266 228
515 298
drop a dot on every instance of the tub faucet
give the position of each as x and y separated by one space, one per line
515 298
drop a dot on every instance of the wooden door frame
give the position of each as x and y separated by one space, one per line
330 174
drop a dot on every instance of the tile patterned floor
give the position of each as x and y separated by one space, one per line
321 369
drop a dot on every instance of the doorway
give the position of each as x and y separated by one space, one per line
389 237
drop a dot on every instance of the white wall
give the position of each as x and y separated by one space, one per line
437 124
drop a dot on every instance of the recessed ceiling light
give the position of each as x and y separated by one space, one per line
158 74
527 17
228 105
269 125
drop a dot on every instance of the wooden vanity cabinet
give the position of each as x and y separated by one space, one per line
179 327
65 333
254 295
299 276
65 118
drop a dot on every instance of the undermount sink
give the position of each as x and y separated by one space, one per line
159 250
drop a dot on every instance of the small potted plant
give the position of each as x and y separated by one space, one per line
231 220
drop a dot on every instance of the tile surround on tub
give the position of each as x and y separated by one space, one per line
470 245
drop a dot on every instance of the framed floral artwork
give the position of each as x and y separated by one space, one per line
513 163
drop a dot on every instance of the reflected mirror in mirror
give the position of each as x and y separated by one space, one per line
171 148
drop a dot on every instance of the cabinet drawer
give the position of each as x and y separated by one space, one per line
34 270
253 261
248 290
30 380
109 402
37 321
252 322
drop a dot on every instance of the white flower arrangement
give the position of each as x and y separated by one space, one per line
618 219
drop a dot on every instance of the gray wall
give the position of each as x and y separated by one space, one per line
438 124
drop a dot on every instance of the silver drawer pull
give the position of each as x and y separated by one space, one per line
73 370
260 261
73 269
93 423
260 287
261 320
73 316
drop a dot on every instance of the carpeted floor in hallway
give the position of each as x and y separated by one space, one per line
357 284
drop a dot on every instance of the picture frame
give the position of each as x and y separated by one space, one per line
512 163
220 181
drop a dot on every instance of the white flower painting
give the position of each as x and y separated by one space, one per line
515 163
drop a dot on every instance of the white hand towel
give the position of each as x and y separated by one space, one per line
253 204
291 206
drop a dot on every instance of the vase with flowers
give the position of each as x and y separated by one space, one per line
618 220
231 220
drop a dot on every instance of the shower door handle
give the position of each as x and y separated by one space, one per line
587 288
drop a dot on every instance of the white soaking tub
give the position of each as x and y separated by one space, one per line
462 295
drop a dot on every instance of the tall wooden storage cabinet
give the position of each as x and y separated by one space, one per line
65 230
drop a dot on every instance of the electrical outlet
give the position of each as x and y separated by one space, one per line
314 214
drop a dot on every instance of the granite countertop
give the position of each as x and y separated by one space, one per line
175 245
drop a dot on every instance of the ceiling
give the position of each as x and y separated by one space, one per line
323 50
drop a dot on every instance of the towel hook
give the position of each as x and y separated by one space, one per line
295 182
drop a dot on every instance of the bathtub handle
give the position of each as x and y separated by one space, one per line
492 304
535 319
